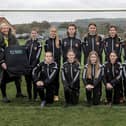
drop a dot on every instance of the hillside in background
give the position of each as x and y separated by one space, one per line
102 25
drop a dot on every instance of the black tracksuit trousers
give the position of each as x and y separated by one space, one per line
7 79
29 82
94 95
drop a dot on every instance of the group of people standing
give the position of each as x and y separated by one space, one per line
44 76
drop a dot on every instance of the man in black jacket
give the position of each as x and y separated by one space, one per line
7 39
71 42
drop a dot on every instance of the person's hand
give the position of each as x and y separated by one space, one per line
92 86
109 86
89 87
4 66
39 83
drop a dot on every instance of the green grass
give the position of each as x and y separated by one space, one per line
22 113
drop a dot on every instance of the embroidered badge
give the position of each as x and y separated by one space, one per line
97 43
35 48
117 45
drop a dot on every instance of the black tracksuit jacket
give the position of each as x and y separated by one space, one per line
90 44
34 49
112 44
71 76
93 81
45 72
71 43
112 73
51 46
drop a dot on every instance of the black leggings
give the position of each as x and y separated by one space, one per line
113 95
46 93
71 96
56 84
29 82
94 95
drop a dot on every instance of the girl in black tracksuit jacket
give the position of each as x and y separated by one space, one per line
44 74
92 42
113 43
53 45
112 76
92 77
124 65
71 79
71 42
34 49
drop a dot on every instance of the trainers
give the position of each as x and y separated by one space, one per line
56 98
43 104
6 100
66 105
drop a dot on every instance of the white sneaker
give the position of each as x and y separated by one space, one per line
56 98
43 103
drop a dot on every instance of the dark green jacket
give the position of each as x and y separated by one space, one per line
11 41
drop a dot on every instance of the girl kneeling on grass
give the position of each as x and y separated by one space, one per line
44 75
92 76
71 79
112 76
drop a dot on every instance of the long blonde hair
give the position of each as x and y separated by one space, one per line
97 65
57 36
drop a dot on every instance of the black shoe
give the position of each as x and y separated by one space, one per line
28 100
66 105
6 100
36 100
20 96
89 103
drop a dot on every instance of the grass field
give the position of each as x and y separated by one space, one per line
22 113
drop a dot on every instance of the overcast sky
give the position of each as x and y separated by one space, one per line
25 17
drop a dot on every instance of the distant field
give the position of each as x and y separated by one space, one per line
22 113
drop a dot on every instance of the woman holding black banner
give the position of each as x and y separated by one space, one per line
6 40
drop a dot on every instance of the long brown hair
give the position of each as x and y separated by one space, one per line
97 65
57 41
